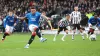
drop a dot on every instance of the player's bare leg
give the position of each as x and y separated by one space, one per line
54 39
4 36
7 33
32 37
86 33
73 33
38 32
66 32
30 40
91 31
81 31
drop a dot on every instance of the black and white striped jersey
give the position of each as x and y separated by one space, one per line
41 21
75 17
63 23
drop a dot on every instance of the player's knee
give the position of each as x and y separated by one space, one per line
33 33
58 32
7 33
91 30
73 32
35 28
81 30
66 31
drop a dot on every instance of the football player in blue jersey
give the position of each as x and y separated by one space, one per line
4 22
93 21
33 24
9 23
99 24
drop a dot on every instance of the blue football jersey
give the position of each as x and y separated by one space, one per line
4 22
99 22
93 21
10 20
33 18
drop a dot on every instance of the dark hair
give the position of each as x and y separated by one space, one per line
10 11
33 7
75 6
95 15
67 15
43 11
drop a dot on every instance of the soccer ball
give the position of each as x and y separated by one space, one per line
92 37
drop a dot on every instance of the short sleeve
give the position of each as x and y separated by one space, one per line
6 18
26 16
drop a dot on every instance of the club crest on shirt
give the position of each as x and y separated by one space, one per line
33 19
11 20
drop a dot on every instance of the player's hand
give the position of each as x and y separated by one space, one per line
15 16
49 18
15 24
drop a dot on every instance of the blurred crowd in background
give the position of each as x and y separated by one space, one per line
54 9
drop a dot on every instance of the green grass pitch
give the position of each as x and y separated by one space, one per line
14 46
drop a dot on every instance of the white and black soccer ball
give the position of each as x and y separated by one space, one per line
93 37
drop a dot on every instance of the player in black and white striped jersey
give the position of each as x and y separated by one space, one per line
42 22
62 24
75 19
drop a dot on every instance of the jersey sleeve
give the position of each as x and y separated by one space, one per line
5 21
71 15
80 17
6 18
98 20
26 16
89 21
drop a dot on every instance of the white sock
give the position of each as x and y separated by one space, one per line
73 35
64 36
41 33
55 36
82 35
86 33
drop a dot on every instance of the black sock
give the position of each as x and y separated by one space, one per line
41 33
5 34
31 39
38 33
88 32
58 32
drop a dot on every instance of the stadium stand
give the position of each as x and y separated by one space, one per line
52 7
